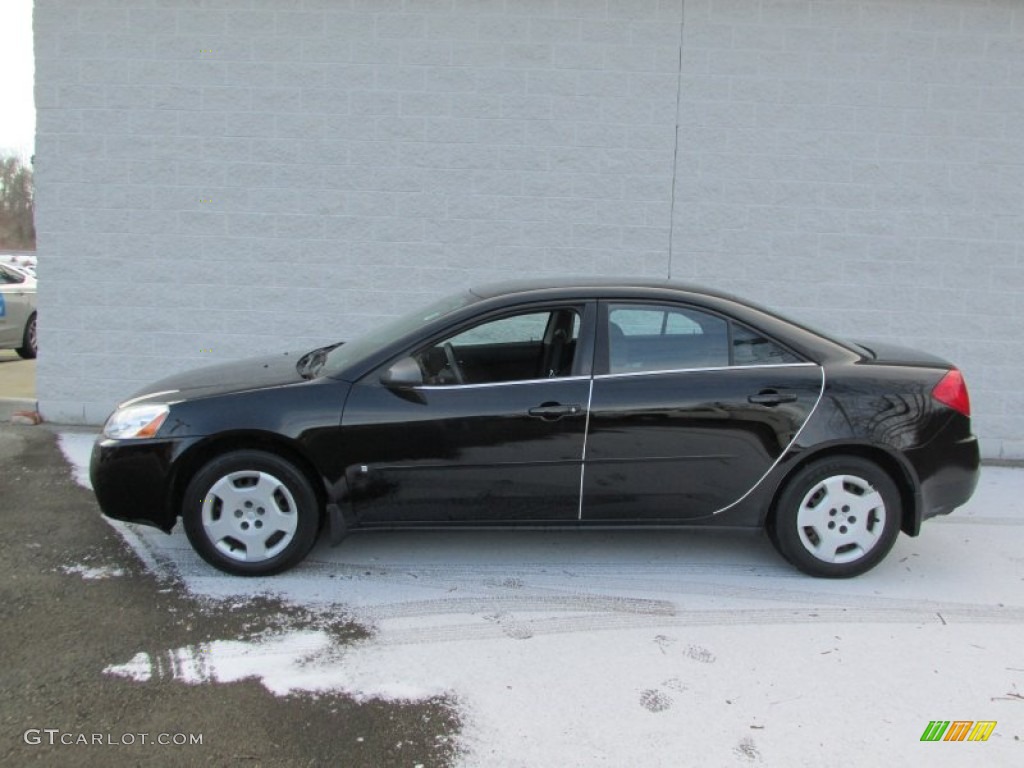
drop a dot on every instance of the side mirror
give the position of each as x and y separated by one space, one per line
404 374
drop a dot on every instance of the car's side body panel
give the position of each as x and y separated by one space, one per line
473 454
679 445
885 411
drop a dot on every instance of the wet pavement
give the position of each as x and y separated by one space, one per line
74 600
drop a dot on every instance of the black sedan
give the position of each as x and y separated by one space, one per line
587 404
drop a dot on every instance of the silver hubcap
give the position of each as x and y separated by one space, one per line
841 519
250 516
32 335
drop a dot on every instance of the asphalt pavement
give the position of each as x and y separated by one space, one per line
62 623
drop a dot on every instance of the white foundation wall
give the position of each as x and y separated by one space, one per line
222 178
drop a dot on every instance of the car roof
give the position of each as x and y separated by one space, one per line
595 286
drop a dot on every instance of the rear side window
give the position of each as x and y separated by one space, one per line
665 338
655 338
751 348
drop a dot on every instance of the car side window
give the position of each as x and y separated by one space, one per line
751 348
515 329
519 347
659 338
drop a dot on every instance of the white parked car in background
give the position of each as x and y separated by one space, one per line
23 262
17 311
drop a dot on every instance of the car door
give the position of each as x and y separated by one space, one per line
689 411
15 307
493 429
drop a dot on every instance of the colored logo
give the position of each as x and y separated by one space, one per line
958 730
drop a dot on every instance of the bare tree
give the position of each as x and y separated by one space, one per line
17 213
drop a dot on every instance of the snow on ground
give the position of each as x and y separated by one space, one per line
90 573
649 648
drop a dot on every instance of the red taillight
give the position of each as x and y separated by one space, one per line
952 391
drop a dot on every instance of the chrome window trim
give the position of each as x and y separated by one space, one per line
501 383
615 375
666 371
785 451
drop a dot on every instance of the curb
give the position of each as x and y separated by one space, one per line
10 405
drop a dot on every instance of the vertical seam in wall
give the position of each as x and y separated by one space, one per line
675 149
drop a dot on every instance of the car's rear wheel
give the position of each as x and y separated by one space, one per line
837 517
250 513
29 346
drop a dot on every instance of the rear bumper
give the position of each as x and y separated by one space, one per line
948 476
132 479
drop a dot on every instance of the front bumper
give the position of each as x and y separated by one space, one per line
132 479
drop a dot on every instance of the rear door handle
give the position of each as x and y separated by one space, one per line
771 397
554 411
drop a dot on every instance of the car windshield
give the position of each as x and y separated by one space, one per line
377 338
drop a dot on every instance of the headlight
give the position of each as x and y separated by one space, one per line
136 421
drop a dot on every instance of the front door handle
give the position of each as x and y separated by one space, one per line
554 411
770 397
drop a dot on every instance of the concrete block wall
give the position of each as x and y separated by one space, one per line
220 178
240 176
861 165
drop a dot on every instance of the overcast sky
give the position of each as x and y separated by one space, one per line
17 106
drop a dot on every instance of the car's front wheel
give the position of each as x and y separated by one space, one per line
837 517
250 513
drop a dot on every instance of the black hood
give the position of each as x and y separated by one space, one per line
252 373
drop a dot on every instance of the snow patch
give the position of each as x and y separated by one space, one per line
90 572
77 449
303 660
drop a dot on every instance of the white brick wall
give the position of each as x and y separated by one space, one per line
249 175
861 164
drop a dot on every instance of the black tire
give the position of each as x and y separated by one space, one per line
251 513
29 342
837 517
